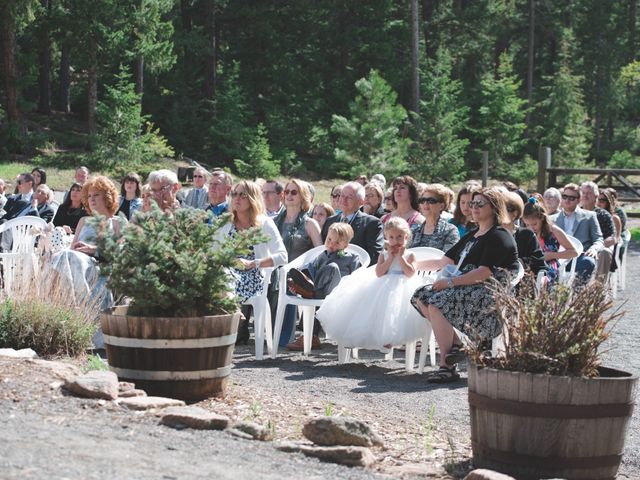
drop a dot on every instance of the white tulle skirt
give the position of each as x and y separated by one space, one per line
366 311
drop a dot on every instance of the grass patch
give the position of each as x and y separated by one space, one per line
94 362
635 234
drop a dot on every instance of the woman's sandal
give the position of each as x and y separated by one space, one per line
443 375
455 355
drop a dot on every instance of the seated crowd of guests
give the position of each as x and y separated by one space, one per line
483 232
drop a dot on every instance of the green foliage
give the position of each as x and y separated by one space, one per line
94 362
174 264
624 159
47 327
369 142
502 117
120 141
564 126
557 331
635 234
438 150
258 161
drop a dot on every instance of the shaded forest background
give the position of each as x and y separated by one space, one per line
325 87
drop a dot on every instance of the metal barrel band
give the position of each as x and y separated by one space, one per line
170 343
545 410
521 460
165 375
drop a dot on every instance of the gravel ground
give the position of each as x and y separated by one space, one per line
46 433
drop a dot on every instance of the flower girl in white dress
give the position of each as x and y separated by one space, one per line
371 308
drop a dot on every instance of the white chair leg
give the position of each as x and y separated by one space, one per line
355 353
389 355
432 349
307 327
343 354
258 327
409 356
267 327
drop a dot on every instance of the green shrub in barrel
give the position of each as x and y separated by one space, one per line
545 407
176 335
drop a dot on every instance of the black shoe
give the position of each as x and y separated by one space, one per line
455 355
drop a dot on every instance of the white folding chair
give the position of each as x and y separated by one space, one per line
19 263
307 305
262 316
565 277
622 263
498 344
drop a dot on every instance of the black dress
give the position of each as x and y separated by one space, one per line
529 251
68 216
471 308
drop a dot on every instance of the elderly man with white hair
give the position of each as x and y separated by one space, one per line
588 196
367 229
164 185
219 188
552 197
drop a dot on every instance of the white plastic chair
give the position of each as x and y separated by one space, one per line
565 277
307 305
262 316
622 263
20 262
498 343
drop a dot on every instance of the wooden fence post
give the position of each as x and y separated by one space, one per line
544 162
485 168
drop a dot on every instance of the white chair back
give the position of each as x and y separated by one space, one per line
262 316
564 276
19 264
22 239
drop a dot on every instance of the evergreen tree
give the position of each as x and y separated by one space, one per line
565 128
438 150
502 116
258 159
369 142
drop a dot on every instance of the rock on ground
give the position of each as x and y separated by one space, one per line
345 455
147 403
23 353
94 384
193 417
484 474
255 431
340 431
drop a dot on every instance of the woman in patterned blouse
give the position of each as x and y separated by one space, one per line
435 231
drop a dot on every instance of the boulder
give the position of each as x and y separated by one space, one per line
94 384
193 417
237 433
484 474
147 403
257 432
23 353
331 431
125 387
132 393
344 455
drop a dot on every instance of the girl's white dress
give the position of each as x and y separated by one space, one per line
367 311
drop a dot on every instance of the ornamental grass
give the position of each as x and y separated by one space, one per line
558 331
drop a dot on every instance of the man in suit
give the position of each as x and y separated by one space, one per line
367 229
44 196
273 197
219 188
583 225
198 196
19 205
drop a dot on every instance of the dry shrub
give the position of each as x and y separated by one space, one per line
558 331
42 314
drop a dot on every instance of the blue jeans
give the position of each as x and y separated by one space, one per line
584 268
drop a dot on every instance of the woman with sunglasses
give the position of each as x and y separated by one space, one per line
335 198
300 233
607 202
435 231
373 197
405 201
529 250
130 195
464 301
248 211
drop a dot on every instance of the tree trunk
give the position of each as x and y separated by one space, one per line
44 61
185 13
64 94
138 74
211 55
532 38
92 88
430 46
415 52
633 13
10 69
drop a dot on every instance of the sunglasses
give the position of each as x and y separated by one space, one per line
291 192
571 198
198 176
602 199
511 209
161 190
477 203
429 200
239 194
335 195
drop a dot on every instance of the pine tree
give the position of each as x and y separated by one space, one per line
369 142
438 150
502 116
258 159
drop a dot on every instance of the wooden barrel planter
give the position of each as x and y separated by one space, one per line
184 358
535 426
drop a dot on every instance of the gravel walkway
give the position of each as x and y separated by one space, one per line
48 434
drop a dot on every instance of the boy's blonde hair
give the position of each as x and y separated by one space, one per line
398 223
343 231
